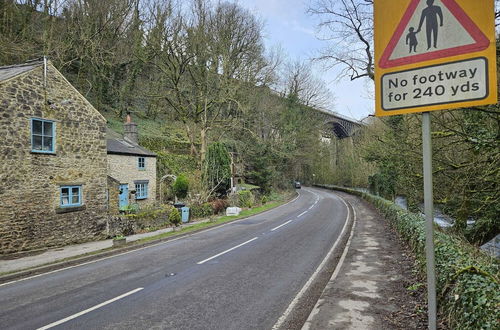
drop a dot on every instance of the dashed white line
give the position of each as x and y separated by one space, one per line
228 250
286 223
302 214
89 310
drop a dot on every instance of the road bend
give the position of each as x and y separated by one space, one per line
242 275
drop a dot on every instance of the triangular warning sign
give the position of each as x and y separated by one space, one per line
432 29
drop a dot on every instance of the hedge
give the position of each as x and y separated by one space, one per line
468 287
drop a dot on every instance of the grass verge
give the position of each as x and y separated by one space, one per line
217 221
181 231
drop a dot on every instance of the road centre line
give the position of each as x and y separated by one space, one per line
286 223
74 316
228 250
302 214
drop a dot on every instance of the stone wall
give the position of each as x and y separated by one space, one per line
124 169
30 212
113 196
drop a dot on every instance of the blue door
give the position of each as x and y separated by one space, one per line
123 195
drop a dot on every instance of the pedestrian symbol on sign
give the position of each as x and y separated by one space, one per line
430 15
442 29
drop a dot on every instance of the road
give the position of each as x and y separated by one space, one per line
242 275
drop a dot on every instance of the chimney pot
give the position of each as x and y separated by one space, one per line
130 130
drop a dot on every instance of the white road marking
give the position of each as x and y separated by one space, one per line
74 316
302 214
145 247
281 225
228 250
307 324
306 286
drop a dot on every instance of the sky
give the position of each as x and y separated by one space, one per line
286 23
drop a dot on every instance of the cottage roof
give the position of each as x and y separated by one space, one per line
120 146
10 71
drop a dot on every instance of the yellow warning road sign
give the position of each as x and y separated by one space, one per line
434 55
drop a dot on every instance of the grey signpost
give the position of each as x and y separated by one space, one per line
429 219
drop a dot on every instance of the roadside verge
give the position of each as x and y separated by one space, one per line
468 285
89 257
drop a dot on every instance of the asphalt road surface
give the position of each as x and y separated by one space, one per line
242 275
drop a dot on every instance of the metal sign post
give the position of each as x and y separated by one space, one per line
429 219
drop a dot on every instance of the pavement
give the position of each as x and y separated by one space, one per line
69 251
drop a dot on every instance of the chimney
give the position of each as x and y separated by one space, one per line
130 130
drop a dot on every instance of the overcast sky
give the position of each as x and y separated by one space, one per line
287 24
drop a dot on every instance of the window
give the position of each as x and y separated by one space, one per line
141 163
71 196
141 189
42 135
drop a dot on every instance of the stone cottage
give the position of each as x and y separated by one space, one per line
54 161
132 167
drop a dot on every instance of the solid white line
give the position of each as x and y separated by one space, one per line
307 324
228 250
145 247
286 223
301 214
74 316
310 207
306 286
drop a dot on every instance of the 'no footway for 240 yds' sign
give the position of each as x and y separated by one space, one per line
434 55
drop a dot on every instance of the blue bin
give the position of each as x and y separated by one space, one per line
185 214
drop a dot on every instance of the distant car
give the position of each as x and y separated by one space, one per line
296 184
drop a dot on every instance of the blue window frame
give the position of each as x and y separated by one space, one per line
71 196
141 189
141 163
43 135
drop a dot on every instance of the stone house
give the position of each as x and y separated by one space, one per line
132 167
54 161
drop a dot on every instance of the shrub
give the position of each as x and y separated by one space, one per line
201 210
245 198
467 280
219 205
174 217
181 186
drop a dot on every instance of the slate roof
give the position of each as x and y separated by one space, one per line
10 71
119 146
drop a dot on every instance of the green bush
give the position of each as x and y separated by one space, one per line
245 198
181 186
201 210
174 217
467 280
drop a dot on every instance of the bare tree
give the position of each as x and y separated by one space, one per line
347 26
299 80
205 58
